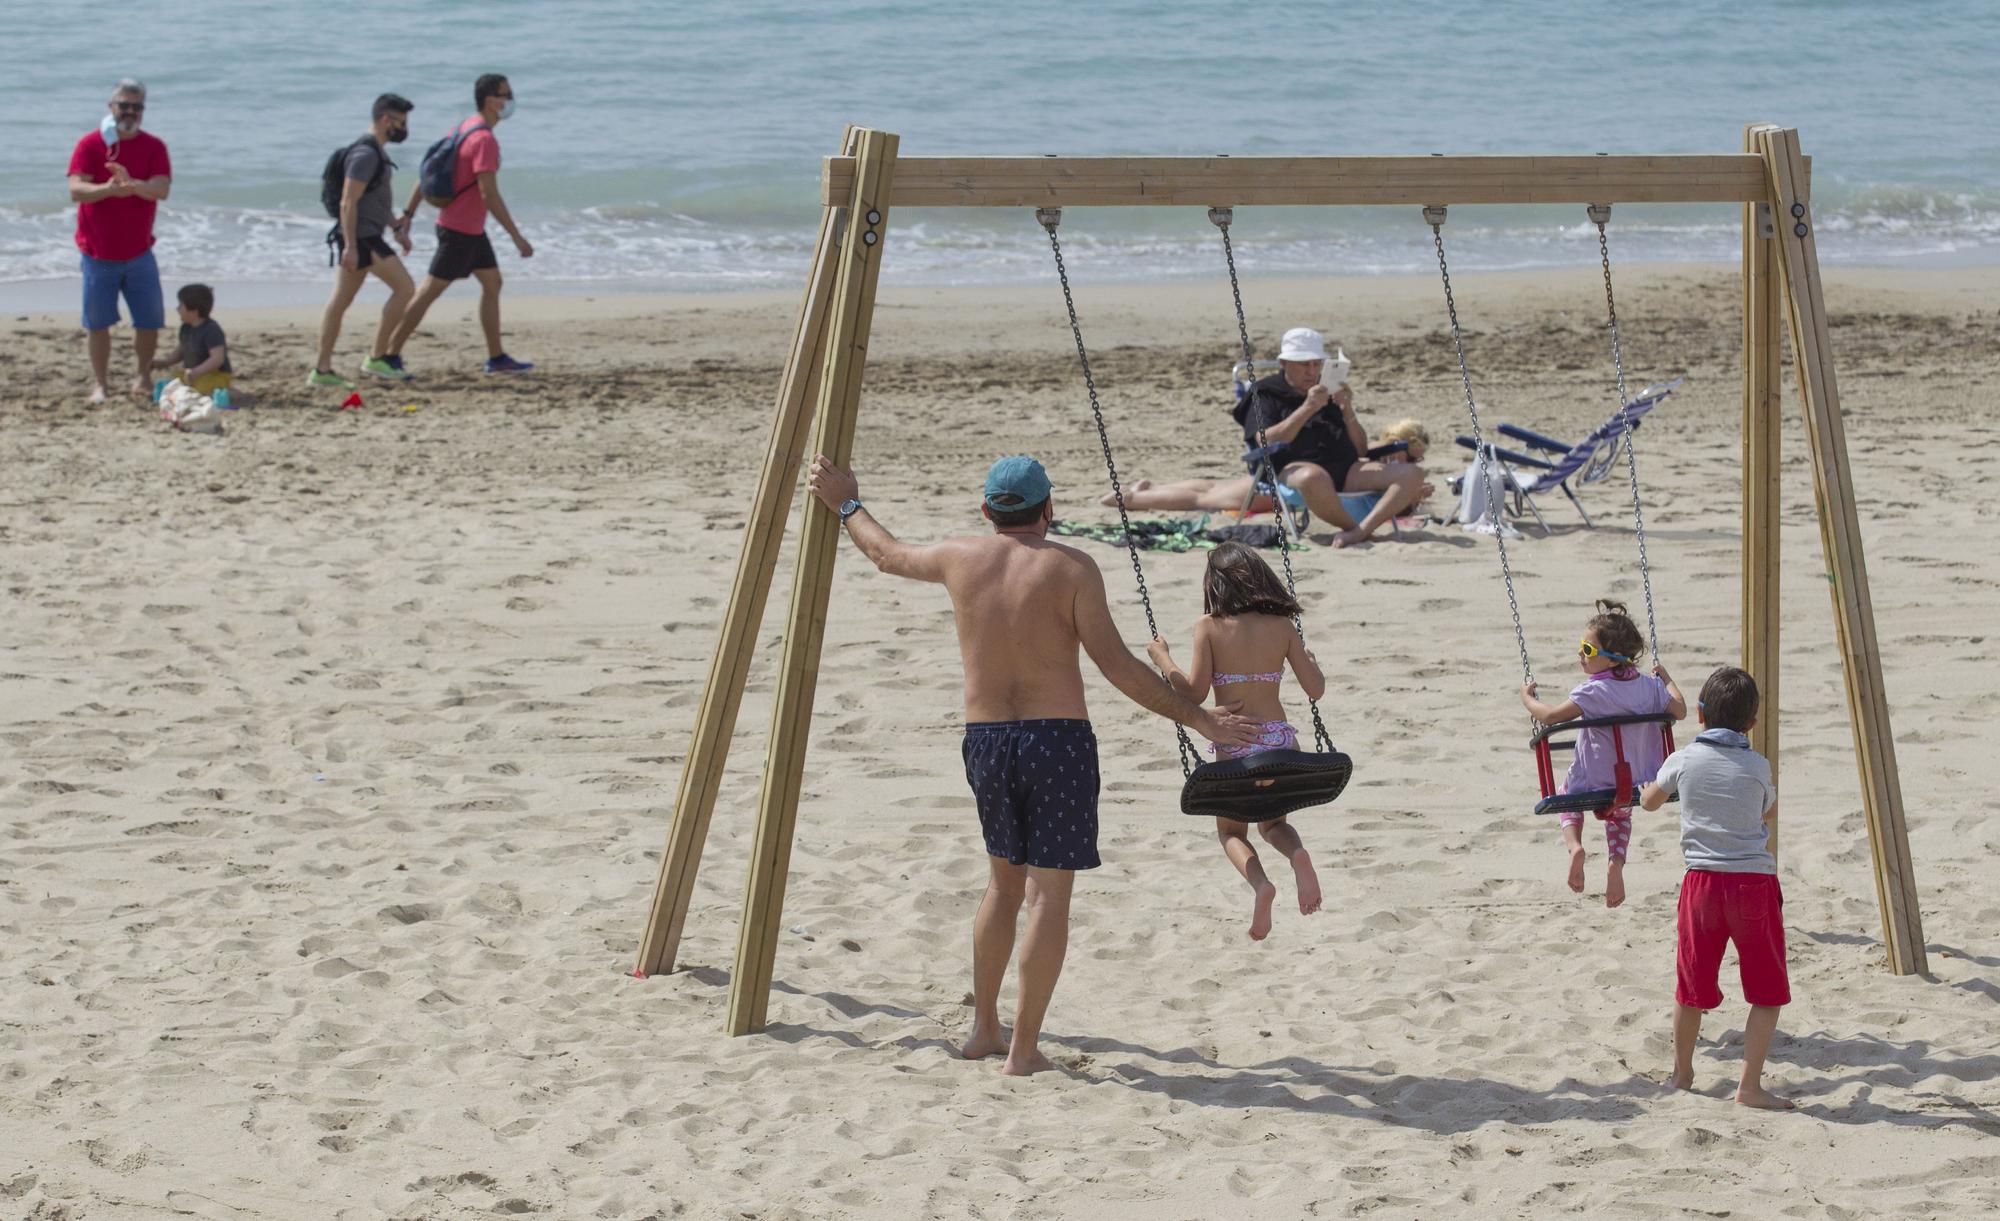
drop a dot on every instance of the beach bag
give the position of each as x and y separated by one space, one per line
1472 500
188 409
440 167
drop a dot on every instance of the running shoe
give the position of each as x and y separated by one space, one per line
504 363
317 378
380 366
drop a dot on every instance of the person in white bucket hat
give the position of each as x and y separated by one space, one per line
1325 450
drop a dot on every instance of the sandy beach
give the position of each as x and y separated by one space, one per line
337 753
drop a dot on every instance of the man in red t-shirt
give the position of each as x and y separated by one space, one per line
463 249
117 177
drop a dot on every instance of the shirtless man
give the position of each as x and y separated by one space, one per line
1023 605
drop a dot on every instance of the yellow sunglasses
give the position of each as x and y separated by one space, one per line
1588 649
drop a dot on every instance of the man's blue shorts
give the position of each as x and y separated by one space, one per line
137 280
1036 785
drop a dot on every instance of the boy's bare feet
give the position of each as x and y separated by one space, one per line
1309 896
1614 884
1763 1099
1026 1066
983 1043
1349 538
1679 1080
1260 912
1576 869
1137 485
98 394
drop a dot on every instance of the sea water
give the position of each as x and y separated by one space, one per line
677 145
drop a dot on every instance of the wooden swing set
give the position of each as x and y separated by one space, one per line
830 347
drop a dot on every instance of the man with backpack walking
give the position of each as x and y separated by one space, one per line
355 190
460 178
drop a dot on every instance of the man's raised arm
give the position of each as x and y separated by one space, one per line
1137 680
836 487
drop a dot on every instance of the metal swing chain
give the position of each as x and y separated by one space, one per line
1435 217
1050 218
1600 214
1222 218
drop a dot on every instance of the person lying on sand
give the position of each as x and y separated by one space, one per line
1023 606
1230 495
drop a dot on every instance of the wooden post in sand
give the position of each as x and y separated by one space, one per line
1840 539
715 722
812 585
1763 419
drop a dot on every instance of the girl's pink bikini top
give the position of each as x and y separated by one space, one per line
1272 677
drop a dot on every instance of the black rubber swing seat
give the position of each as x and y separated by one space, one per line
1269 784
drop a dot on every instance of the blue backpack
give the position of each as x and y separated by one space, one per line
440 167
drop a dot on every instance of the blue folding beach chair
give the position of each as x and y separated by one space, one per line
1587 461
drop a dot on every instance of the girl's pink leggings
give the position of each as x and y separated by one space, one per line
1617 829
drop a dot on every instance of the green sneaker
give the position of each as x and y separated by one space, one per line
381 366
316 378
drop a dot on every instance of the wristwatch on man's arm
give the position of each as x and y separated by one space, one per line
848 508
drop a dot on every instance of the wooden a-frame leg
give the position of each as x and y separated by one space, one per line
722 697
1763 419
791 717
1840 538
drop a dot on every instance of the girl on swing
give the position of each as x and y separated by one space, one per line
1241 646
1612 686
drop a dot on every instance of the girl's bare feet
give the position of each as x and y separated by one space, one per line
1309 896
97 394
1260 912
1763 1099
1576 870
1614 884
1681 1080
982 1043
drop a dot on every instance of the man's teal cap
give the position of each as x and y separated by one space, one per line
1016 483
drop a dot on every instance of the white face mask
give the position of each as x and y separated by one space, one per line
109 130
507 109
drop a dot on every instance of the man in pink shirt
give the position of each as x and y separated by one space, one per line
118 175
463 249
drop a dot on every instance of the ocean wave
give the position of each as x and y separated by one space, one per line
667 244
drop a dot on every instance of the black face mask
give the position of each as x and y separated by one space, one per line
398 134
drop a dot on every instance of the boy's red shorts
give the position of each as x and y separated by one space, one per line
1717 908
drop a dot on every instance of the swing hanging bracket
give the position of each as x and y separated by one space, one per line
1221 218
1599 213
1434 215
1048 218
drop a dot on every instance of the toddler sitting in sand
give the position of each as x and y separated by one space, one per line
203 351
1241 646
1612 686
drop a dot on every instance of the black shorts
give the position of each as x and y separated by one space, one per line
366 249
460 254
1339 477
1036 785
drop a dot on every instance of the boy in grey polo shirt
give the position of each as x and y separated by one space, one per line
1730 893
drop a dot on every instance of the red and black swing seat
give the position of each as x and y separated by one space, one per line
1595 801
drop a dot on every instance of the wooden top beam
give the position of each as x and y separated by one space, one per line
1041 182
